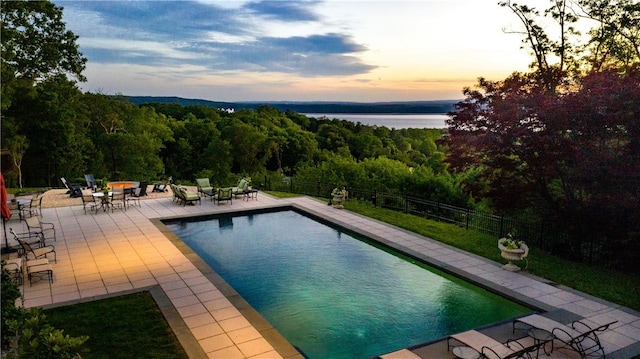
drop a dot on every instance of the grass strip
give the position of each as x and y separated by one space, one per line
128 326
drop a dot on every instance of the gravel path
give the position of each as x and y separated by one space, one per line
59 197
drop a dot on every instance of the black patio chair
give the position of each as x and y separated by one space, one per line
143 189
74 190
91 182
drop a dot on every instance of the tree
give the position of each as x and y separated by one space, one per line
17 147
615 42
572 157
38 56
557 143
35 43
52 119
552 58
129 138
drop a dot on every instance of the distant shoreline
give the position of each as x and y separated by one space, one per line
353 108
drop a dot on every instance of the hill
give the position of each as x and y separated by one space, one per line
408 107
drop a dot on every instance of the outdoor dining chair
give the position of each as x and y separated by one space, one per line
35 208
89 202
135 196
46 230
118 199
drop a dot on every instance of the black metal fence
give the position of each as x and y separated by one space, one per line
541 235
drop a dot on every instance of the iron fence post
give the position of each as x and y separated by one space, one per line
468 216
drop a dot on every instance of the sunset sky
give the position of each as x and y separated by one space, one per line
330 50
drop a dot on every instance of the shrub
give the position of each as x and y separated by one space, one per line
36 339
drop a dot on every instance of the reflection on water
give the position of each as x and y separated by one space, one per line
334 296
225 222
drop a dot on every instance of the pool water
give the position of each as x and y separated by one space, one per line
333 295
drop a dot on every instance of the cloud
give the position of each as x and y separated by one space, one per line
284 10
214 37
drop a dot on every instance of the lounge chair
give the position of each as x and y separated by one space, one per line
493 349
45 230
34 240
35 253
205 187
143 189
175 191
161 186
189 197
184 196
578 335
73 189
224 194
242 187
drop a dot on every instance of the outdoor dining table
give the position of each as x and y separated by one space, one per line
104 200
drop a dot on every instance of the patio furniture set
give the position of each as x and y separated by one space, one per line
222 194
33 252
118 194
543 332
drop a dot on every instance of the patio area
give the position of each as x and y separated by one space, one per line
106 254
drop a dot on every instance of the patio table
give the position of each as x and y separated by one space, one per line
104 200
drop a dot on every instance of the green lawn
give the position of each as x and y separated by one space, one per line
128 326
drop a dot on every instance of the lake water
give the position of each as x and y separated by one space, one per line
397 121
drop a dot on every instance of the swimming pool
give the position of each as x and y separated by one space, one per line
333 294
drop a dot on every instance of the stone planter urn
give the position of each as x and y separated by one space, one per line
511 253
338 196
336 200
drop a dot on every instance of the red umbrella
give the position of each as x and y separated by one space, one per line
5 210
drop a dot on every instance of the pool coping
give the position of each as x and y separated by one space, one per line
266 330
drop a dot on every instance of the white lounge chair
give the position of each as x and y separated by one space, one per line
491 348
578 335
